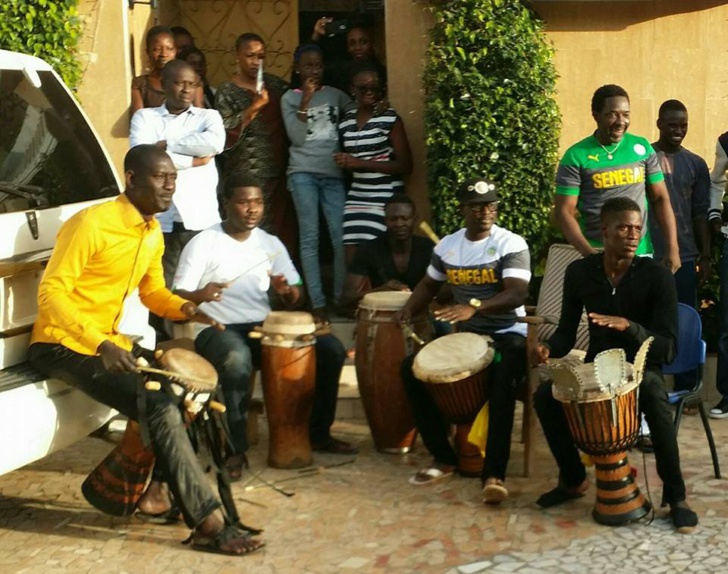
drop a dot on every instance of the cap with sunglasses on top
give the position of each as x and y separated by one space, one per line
477 190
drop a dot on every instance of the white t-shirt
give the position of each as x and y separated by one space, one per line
212 255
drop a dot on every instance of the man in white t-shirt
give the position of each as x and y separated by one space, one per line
228 270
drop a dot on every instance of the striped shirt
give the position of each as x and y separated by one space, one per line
364 210
476 269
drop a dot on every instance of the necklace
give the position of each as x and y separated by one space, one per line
610 154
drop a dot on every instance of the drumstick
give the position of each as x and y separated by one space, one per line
258 333
412 335
214 405
268 484
427 230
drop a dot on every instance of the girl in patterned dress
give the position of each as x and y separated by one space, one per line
377 153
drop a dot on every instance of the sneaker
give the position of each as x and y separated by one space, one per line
720 411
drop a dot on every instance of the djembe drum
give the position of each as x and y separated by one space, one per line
454 369
381 346
600 401
288 372
116 484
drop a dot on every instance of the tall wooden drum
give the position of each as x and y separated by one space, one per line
600 401
381 346
289 378
454 370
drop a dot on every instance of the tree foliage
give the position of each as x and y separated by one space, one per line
49 29
490 110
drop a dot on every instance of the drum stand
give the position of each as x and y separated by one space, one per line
209 431
619 500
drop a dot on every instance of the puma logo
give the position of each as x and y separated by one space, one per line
594 157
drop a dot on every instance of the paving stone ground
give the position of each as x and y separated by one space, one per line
365 517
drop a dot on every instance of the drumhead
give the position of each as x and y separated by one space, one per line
453 358
289 323
190 364
384 301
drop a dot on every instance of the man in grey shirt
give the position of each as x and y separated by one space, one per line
688 184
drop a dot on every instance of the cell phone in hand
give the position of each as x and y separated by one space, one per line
336 27
259 80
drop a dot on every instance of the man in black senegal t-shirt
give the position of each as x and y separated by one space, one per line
396 261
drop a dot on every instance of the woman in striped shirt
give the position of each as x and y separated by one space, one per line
377 153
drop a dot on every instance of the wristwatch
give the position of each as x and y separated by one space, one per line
475 303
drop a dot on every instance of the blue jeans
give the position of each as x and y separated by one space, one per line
309 191
234 356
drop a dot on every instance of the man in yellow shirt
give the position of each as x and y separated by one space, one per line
101 255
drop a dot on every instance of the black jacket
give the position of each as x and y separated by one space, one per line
645 296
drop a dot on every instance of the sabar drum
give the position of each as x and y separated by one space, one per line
600 401
118 482
288 372
381 346
454 369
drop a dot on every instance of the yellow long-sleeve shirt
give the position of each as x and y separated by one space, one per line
101 255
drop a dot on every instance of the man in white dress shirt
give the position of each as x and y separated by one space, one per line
192 137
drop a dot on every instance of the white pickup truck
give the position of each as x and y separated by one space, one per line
52 164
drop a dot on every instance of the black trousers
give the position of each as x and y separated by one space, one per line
652 402
503 381
174 453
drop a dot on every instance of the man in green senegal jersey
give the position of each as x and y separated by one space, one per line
612 163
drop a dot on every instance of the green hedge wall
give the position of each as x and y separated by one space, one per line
490 110
49 29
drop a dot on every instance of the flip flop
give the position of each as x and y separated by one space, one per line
430 476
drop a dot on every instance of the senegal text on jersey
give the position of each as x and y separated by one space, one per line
624 176
471 276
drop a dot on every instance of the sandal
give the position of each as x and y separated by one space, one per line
216 544
430 476
335 446
494 491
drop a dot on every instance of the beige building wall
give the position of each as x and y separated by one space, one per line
106 85
656 50
407 25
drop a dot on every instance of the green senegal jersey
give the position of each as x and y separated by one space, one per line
587 172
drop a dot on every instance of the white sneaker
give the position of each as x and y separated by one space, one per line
720 411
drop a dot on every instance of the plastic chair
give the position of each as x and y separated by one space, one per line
542 323
690 358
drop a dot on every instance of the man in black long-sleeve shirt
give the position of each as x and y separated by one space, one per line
627 299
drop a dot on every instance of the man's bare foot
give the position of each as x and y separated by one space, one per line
213 535
155 499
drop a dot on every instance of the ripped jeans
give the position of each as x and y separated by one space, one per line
172 447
